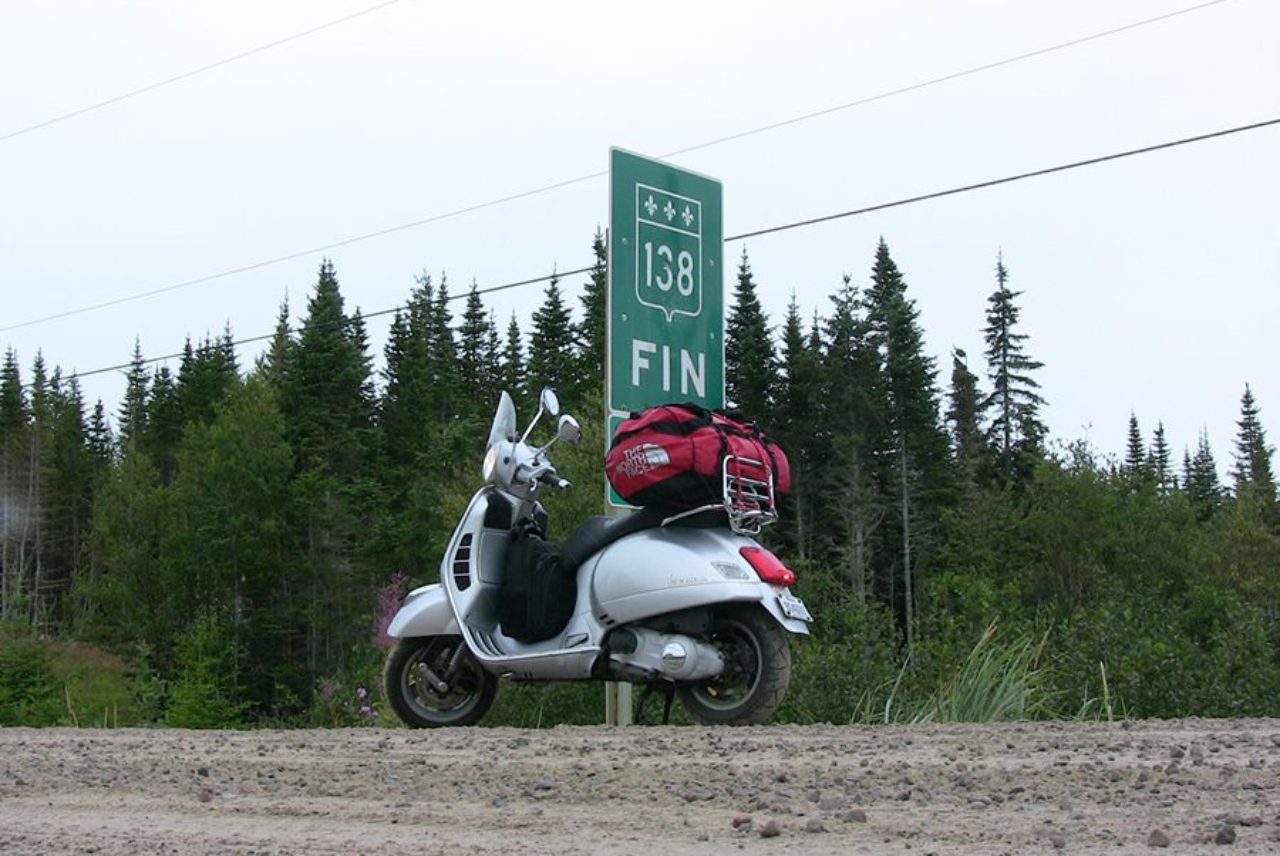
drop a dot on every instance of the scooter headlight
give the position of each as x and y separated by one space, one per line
490 463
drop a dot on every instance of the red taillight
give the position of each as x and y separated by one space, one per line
768 567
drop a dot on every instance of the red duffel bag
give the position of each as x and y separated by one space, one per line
674 455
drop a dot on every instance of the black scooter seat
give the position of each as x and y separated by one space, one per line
599 532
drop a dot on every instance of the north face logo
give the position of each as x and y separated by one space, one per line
643 459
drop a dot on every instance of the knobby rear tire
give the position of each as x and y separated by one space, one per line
757 671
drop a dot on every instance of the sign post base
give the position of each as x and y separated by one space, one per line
617 703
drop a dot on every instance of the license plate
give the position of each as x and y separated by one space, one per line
792 606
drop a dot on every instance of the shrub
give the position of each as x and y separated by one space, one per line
203 693
104 690
30 693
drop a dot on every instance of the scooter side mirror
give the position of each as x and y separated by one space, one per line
569 431
549 401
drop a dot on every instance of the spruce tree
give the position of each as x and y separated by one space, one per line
204 375
916 470
71 480
1201 480
591 331
273 363
133 411
750 365
1252 473
964 416
1016 431
551 352
99 441
1135 456
513 366
164 425
15 418
329 417
1159 463
15 463
409 393
492 365
329 396
851 432
796 428
473 345
443 356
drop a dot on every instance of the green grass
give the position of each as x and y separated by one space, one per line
997 682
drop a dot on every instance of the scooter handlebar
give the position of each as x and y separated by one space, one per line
549 478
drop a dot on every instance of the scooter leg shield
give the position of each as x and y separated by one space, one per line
425 612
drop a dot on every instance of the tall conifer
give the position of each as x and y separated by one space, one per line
1252 472
1201 480
750 365
514 372
1158 462
796 427
1015 431
964 416
329 395
591 331
1135 455
551 351
916 464
473 345
15 464
273 364
165 422
851 432
133 411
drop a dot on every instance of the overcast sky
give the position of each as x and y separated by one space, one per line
1150 284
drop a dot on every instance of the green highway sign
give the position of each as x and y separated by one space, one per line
665 337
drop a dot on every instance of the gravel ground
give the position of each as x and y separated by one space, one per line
1185 786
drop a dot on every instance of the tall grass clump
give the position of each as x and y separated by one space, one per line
998 681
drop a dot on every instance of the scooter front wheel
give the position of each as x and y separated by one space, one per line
433 681
756 673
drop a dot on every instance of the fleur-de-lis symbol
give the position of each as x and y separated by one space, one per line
670 210
650 205
687 217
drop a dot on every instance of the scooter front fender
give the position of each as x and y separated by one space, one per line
425 612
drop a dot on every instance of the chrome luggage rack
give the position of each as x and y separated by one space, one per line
748 497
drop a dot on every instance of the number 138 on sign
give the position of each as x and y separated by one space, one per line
682 278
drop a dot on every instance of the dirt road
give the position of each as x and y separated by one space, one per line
1083 788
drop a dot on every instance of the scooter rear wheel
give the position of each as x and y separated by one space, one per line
413 675
757 671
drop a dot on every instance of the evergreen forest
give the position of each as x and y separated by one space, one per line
225 546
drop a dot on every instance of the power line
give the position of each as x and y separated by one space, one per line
193 72
458 212
1006 180
797 224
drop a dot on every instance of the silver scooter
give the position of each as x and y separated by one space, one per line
684 602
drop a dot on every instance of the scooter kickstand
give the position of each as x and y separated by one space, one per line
669 695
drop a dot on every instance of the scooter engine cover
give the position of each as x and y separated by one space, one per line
659 571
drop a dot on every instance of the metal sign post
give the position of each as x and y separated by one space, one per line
665 317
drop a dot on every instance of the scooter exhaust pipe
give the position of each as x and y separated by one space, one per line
642 652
